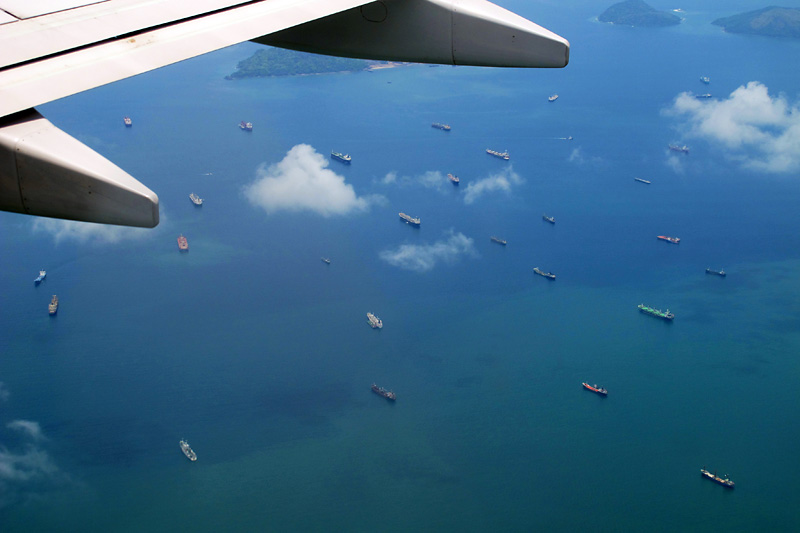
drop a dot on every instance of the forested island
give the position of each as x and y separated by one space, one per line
281 62
638 13
770 21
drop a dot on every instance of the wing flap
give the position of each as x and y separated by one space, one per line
33 83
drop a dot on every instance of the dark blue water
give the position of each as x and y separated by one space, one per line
259 354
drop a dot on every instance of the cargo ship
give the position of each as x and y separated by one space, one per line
551 220
411 220
128 122
438 126
380 391
501 155
246 126
717 272
656 312
183 244
498 240
548 275
374 321
188 451
642 181
53 307
594 388
673 240
725 482
344 158
40 278
682 149
196 200
552 98
453 179
705 79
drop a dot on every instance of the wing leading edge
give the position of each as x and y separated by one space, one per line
45 172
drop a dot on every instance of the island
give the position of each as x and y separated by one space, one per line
281 62
638 13
770 21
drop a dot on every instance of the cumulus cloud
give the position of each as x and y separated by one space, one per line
432 179
24 466
83 232
579 158
27 427
675 163
760 130
423 257
27 470
502 181
302 182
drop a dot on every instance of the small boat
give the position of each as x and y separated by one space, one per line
196 200
551 220
594 388
183 244
344 158
326 260
498 240
548 275
725 482
127 121
652 311
501 155
380 391
408 219
677 148
453 179
552 98
640 180
246 126
706 95
374 322
40 278
53 307
705 79
673 240
717 272
438 126
187 450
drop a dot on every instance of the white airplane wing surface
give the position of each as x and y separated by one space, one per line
50 49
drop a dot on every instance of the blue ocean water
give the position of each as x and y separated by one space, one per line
260 356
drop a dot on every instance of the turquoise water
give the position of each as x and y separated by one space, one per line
260 356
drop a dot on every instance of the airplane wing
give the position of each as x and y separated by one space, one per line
50 49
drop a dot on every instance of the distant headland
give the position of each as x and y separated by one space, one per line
771 21
281 62
638 13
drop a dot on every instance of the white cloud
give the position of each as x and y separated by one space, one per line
25 474
28 427
675 162
432 179
302 182
502 181
84 232
579 158
576 156
761 131
423 257
32 463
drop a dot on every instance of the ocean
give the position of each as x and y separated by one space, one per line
260 355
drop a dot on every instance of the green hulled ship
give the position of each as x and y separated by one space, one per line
656 312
